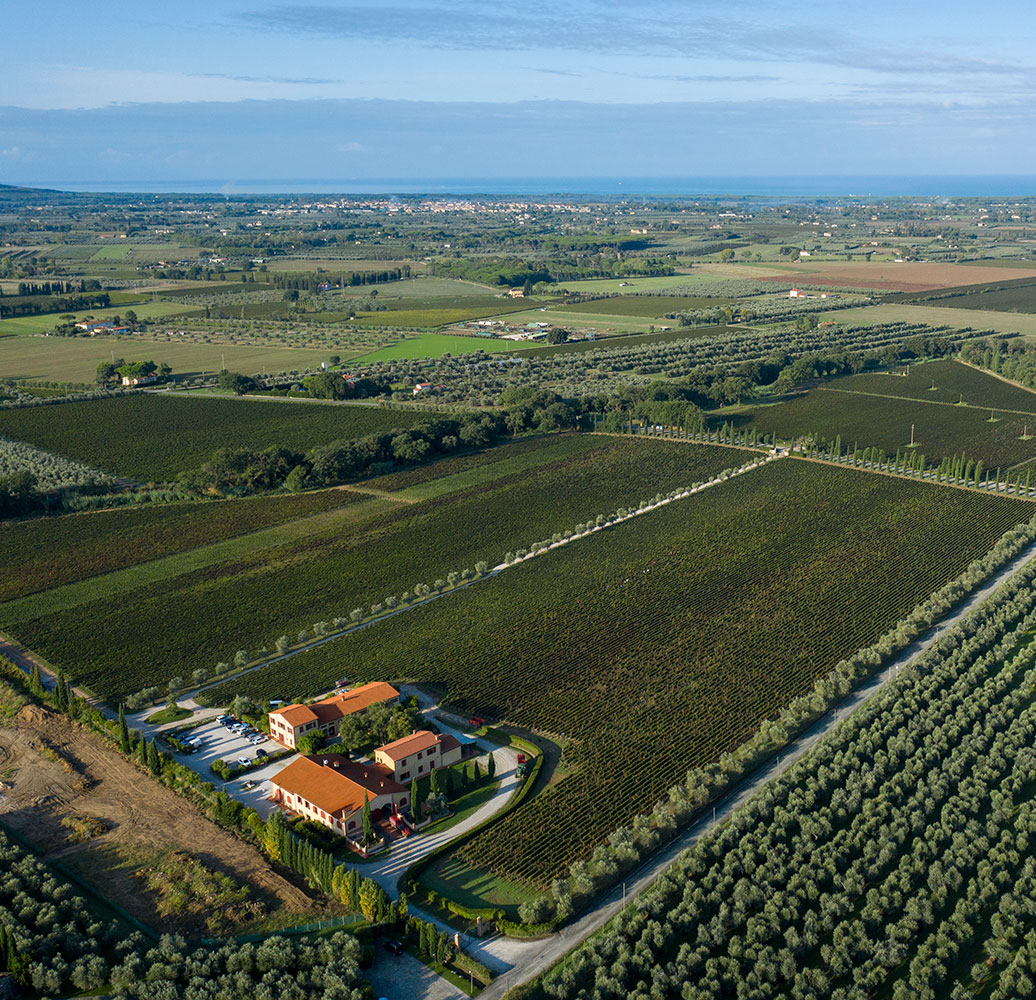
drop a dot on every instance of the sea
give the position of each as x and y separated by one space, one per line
946 186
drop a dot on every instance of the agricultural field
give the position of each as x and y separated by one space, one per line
69 359
204 615
889 862
153 438
644 305
906 276
1020 298
940 429
107 540
462 471
28 325
937 316
943 382
437 345
697 620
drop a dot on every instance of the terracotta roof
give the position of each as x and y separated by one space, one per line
338 705
421 740
296 715
362 697
333 789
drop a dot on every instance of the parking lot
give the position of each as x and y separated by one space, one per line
216 742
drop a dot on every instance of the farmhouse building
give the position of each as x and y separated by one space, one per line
418 754
138 379
330 789
291 722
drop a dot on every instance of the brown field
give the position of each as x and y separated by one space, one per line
52 769
891 277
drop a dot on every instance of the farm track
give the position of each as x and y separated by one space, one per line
526 960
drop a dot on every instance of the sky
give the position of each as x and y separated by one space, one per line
229 91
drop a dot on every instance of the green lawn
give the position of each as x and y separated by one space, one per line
476 887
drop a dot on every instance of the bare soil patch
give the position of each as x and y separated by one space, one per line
52 769
908 276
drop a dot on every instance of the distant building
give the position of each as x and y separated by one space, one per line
418 754
516 293
139 379
422 387
795 293
330 789
291 722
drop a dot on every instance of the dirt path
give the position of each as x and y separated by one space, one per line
52 769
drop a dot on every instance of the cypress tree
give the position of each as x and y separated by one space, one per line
36 682
124 741
491 767
354 889
154 762
368 823
60 698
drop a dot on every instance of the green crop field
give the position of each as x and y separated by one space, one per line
205 615
432 318
695 621
644 305
940 429
154 438
943 382
107 540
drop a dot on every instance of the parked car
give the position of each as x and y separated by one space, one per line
394 947
242 762
260 754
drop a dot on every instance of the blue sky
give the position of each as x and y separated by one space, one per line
423 88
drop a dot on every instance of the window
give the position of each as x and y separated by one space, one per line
420 768
404 776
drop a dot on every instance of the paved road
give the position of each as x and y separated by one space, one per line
529 959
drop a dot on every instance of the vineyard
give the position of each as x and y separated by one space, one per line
893 861
520 453
49 552
696 621
940 429
952 381
154 438
200 617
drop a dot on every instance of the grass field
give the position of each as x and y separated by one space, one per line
107 540
940 429
435 345
976 319
626 285
566 317
206 614
27 325
696 621
153 438
75 359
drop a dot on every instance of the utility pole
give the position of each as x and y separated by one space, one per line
911 435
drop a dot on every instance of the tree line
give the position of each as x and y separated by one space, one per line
312 282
